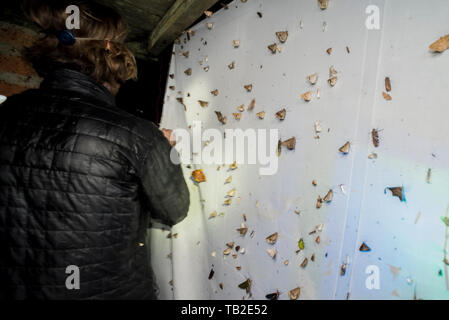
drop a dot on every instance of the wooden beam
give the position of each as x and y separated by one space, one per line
180 16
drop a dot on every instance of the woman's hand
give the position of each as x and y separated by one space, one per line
168 133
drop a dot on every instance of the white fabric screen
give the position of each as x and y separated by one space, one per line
407 238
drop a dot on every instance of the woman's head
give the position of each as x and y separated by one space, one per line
99 50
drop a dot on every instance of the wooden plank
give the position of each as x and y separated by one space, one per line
179 17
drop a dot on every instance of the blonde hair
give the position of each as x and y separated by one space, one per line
102 53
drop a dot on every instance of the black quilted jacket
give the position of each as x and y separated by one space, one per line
80 180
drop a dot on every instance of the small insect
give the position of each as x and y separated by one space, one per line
294 293
273 48
208 13
313 78
198 176
188 72
237 115
231 193
397 192
220 117
209 25
289 143
233 166
242 230
203 104
281 114
272 253
301 244
386 96
441 44
227 251
332 81
307 96
345 148
246 285
428 175
329 51
348 50
319 202
328 196
318 240
364 247
323 4
387 84
251 105
211 274
375 137
214 92
273 296
271 239
186 54
282 36
304 263
261 114
248 87
259 14
235 43
241 108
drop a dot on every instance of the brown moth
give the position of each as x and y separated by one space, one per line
307 96
387 84
290 143
188 72
227 251
246 285
348 50
241 108
237 115
171 87
386 96
329 51
198 176
441 44
208 13
281 114
261 114
231 193
235 43
214 92
242 230
203 104
251 105
304 263
323 4
248 87
172 75
271 239
273 48
319 202
220 117
313 78
397 192
345 148
209 25
328 196
185 54
282 36
375 137
233 166
227 202
294 293
230 244
272 253
332 81
364 247
231 65
318 240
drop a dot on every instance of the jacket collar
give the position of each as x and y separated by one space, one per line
71 80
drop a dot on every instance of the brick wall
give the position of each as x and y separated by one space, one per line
16 73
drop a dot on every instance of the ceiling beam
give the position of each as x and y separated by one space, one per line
181 15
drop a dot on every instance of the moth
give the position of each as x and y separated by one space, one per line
172 75
313 78
282 36
231 193
281 114
248 87
319 202
251 105
289 143
198 176
375 137
241 108
273 48
227 251
237 115
228 179
314 183
273 296
211 274
343 269
206 68
271 239
312 258
441 44
246 285
397 192
203 104
332 71
185 54
294 293
213 215
221 285
323 4
181 101
348 50
332 81
386 96
328 196
233 166
364 247
171 87
372 155
242 230
188 72
272 253
304 263
231 65
227 202
209 25
345 148
261 114
220 117
329 51
387 84
307 96
235 43
214 92
279 148
318 128
259 14
230 245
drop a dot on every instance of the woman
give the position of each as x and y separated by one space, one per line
80 179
